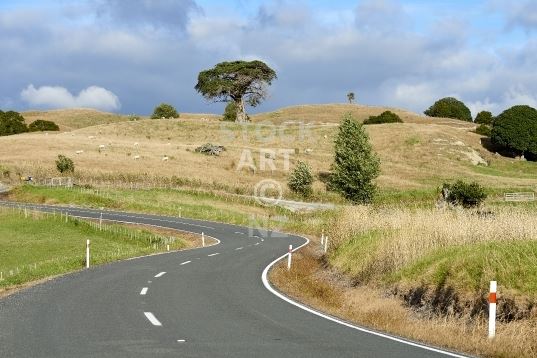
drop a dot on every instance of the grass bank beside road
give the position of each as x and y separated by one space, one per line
36 245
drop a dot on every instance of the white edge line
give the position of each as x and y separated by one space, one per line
160 274
186 262
143 291
217 253
151 317
239 248
333 319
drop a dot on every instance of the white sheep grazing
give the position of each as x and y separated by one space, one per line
136 157
136 144
165 159
308 151
79 151
102 146
91 137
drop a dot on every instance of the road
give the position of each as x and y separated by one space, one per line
207 302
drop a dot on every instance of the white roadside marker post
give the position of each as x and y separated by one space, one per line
322 238
202 239
101 222
168 247
326 244
289 257
492 309
87 253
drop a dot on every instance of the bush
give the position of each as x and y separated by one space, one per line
230 113
464 194
64 164
41 126
301 180
484 130
355 164
164 110
484 117
384 117
11 123
450 107
516 129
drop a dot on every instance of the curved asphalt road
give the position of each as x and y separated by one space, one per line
210 302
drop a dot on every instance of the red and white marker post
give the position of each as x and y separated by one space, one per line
492 309
289 257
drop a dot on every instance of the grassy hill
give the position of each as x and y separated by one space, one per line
419 154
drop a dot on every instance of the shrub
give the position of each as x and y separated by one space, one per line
164 110
484 130
64 164
467 195
484 117
230 113
516 129
355 164
11 123
301 180
41 126
384 117
449 107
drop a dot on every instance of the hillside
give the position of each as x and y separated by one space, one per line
418 154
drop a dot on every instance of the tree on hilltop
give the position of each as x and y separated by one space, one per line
236 81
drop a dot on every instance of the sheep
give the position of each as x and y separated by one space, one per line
102 146
79 151
136 157
91 137
308 151
136 144
165 158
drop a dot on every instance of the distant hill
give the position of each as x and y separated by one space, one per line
420 153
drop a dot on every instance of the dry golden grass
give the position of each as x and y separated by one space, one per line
310 283
408 234
421 153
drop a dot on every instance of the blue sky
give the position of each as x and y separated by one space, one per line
128 56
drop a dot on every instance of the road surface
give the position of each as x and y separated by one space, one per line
207 302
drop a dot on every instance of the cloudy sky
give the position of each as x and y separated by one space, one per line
128 56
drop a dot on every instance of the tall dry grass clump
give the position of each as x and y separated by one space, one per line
396 237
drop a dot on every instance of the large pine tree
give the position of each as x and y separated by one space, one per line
355 165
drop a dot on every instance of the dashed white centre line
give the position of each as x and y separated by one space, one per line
257 243
143 291
239 248
160 274
240 233
216 253
181 340
186 262
151 317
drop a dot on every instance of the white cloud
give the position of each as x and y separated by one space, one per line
512 97
59 97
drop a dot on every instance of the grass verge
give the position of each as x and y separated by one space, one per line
35 245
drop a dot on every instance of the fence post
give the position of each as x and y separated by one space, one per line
492 309
326 244
87 253
289 257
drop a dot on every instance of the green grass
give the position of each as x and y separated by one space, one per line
472 267
39 245
502 168
408 197
181 203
